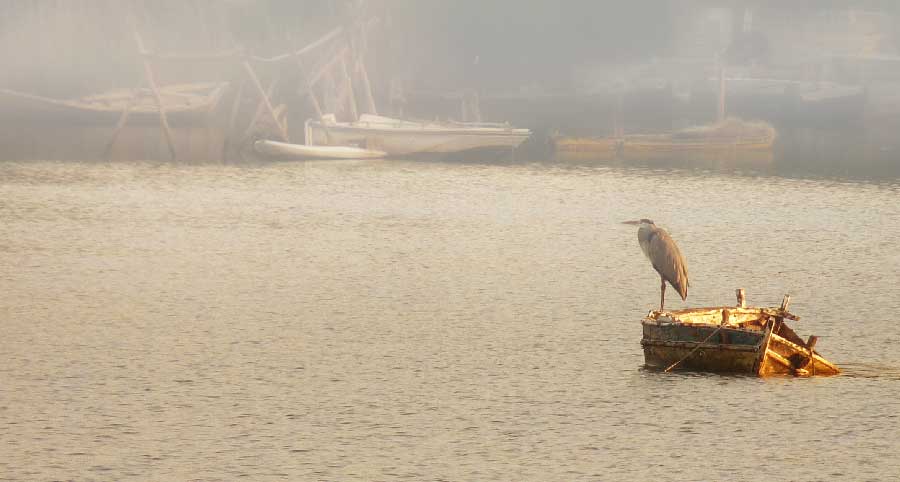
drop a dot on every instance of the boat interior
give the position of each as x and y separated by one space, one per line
752 319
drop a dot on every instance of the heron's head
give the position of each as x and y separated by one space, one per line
639 221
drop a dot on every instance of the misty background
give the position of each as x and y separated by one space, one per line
824 73
206 316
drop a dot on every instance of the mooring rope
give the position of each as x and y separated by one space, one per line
695 349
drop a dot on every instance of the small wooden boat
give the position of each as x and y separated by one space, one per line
283 150
184 104
731 140
402 138
732 339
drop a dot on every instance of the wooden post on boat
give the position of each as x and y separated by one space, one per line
785 302
811 342
309 91
329 92
312 80
151 81
314 100
741 297
367 87
348 83
810 345
359 52
265 99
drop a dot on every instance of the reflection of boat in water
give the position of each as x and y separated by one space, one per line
412 138
284 150
734 339
730 140
184 103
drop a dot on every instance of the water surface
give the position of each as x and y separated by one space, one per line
420 321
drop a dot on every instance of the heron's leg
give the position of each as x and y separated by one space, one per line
662 293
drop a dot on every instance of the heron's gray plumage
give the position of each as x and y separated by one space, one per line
664 255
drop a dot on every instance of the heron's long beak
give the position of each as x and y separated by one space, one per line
631 222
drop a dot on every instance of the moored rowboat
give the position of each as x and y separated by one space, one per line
731 140
403 138
185 104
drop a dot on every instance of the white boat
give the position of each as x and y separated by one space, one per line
399 137
285 150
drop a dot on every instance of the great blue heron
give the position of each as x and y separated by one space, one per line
665 257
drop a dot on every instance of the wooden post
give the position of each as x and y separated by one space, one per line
329 92
123 119
151 81
362 43
785 302
313 99
470 105
367 86
265 99
348 82
810 345
260 107
811 342
232 120
741 298
720 114
618 127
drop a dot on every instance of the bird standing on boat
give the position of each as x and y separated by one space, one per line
665 257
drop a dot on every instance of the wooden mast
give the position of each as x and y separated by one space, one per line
151 81
265 99
123 119
720 112
348 84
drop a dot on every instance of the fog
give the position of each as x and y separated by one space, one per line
579 67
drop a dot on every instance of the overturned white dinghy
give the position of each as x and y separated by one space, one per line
402 138
284 150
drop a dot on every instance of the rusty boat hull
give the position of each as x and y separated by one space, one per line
752 341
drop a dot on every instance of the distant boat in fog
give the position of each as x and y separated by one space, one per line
730 140
404 138
184 103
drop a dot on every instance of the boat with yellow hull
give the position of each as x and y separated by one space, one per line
732 140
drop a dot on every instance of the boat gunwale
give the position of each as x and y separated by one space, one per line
272 148
512 133
654 315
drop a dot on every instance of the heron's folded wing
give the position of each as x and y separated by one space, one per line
668 261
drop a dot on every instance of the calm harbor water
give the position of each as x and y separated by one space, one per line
386 320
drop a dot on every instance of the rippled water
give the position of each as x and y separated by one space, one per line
396 320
